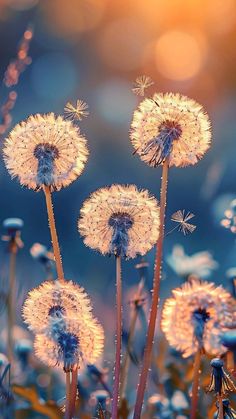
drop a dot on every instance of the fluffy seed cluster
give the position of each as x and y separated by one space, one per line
67 333
170 126
45 150
120 220
196 316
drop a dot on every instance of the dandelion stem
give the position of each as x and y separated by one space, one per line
118 339
196 374
11 299
74 384
126 362
67 412
155 296
221 408
52 226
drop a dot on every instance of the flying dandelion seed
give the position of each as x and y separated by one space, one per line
79 111
55 300
120 220
45 150
76 343
182 219
141 84
170 125
196 316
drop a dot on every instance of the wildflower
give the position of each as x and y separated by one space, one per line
182 220
75 343
200 264
141 84
45 150
170 125
230 217
120 220
195 317
53 300
79 111
221 382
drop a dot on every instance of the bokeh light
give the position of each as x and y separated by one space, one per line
179 55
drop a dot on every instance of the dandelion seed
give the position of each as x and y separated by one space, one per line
45 150
196 316
170 125
79 111
141 84
120 220
182 219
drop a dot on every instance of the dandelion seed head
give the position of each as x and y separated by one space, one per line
77 111
170 126
53 299
141 84
182 219
120 220
77 342
45 150
196 316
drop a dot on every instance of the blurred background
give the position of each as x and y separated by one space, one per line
94 50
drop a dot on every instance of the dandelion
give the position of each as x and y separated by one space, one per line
193 320
54 299
170 126
122 221
79 111
75 344
182 219
229 221
228 411
221 383
141 84
45 150
200 264
169 130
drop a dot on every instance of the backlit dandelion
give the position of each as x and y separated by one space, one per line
195 317
141 84
182 219
193 320
120 220
170 130
170 126
76 344
77 111
45 150
53 300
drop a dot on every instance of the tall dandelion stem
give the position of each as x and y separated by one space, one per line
73 394
52 226
11 299
155 296
196 373
118 339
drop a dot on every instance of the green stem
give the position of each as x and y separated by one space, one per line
195 387
155 297
114 414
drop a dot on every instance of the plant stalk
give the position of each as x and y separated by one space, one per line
221 407
11 300
196 375
155 296
114 413
53 231
74 384
68 386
